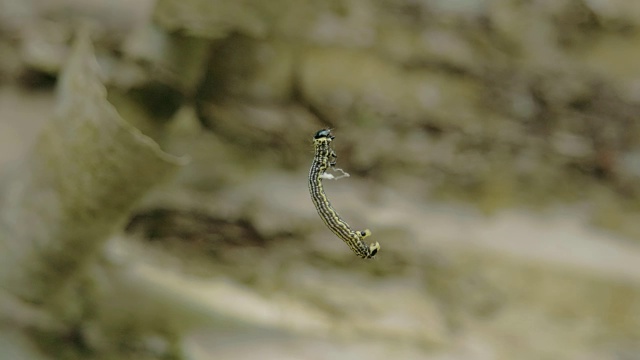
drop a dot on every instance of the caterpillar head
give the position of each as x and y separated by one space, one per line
324 133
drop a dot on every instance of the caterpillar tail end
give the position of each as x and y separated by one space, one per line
373 249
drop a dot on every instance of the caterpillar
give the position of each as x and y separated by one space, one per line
325 158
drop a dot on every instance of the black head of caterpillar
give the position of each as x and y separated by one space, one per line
325 158
324 133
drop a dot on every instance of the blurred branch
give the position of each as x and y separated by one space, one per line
84 174
211 19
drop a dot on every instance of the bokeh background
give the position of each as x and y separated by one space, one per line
154 159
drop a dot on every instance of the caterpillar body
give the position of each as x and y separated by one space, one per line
325 158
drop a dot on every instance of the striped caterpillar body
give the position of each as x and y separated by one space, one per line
325 158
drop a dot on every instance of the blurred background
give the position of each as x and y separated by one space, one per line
493 148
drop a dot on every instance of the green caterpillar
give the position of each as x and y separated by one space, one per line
324 158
